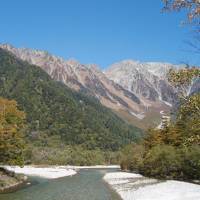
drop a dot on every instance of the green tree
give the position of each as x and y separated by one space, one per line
191 162
162 161
132 157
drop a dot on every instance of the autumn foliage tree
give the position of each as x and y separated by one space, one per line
173 152
192 9
188 115
11 136
191 6
183 80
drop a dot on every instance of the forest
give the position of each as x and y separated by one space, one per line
57 119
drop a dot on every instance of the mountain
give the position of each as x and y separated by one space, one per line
55 110
135 91
86 78
148 80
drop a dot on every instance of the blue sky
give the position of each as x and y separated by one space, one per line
97 31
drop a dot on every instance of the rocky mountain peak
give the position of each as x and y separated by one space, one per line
148 80
129 87
72 62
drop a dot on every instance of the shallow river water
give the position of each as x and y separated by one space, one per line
86 185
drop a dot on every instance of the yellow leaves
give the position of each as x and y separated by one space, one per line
192 7
186 128
154 137
190 108
194 139
183 76
182 79
11 123
9 113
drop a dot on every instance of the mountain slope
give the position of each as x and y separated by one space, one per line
54 109
86 78
135 91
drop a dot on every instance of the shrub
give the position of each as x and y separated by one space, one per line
162 161
132 157
191 162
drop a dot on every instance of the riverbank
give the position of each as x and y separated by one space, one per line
132 186
52 172
94 167
10 180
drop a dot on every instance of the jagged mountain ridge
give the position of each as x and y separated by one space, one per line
81 77
134 92
144 79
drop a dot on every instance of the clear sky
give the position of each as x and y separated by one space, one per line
97 31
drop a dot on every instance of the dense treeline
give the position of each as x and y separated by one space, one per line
54 110
174 151
70 155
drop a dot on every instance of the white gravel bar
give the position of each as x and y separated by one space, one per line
132 186
94 167
52 172
45 172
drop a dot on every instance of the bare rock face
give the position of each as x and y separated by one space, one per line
148 80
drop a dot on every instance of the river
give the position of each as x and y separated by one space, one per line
86 185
